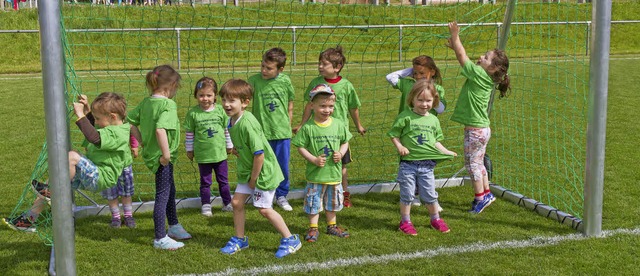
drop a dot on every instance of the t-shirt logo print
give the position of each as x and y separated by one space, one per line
210 132
272 106
326 150
420 139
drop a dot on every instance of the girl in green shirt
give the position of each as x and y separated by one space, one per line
489 72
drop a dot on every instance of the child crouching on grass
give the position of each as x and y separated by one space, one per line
258 172
416 134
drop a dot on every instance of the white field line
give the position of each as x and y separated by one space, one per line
116 74
440 251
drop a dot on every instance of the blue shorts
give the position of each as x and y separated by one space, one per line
87 175
412 174
124 188
318 196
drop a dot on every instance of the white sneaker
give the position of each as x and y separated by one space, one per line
227 208
206 210
282 202
167 243
438 207
416 202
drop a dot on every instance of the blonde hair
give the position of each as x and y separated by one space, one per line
423 86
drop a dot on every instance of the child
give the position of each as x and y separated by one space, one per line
424 67
330 64
257 168
108 154
124 189
159 131
323 142
206 140
417 135
489 72
272 106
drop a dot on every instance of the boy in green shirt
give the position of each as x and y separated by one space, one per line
257 169
108 154
272 106
330 64
323 142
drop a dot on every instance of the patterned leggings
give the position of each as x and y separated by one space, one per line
165 204
475 145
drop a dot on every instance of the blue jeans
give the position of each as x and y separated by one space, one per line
417 173
282 149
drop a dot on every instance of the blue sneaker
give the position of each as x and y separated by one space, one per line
478 205
490 197
288 246
177 232
234 245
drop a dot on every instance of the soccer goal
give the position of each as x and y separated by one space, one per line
540 139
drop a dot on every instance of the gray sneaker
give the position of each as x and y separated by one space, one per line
130 222
115 223
227 208
283 203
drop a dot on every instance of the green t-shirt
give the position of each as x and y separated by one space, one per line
209 144
151 114
471 108
112 156
346 98
271 105
248 138
319 139
419 135
405 85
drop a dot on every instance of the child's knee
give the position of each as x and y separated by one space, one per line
265 212
74 157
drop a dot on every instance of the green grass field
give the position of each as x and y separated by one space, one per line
537 147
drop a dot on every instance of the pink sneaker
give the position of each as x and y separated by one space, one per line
407 228
440 225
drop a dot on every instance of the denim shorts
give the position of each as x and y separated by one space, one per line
87 175
417 173
124 188
323 196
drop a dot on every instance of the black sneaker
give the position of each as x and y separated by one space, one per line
41 188
20 223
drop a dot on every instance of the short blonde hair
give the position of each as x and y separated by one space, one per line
423 86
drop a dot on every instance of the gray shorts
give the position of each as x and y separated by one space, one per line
417 173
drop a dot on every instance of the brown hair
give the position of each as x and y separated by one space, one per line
323 96
164 77
206 83
429 63
335 56
109 102
500 77
276 55
423 86
236 88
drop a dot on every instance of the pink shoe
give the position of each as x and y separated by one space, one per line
440 225
407 228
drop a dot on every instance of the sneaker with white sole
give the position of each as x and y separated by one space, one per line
20 223
283 203
177 232
416 202
206 210
234 245
167 243
288 246
227 208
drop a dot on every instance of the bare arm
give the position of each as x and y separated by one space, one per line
163 143
337 156
258 161
317 160
306 114
455 43
444 150
402 150
355 115
290 112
